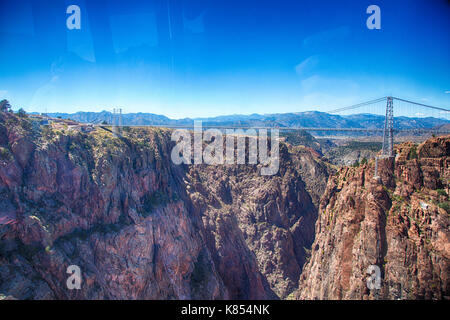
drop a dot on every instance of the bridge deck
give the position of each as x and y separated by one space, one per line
190 127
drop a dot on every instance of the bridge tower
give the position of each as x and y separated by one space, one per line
387 150
117 121
388 134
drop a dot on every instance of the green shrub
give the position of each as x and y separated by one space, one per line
21 113
412 153
47 132
5 154
445 206
200 274
397 198
4 105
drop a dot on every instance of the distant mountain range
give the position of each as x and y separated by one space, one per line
300 119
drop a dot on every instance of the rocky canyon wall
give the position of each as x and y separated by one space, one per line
398 222
140 227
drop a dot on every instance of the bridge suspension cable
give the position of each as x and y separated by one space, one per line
408 106
421 104
362 104
359 105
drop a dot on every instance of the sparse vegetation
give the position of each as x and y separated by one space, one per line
351 151
397 198
412 153
27 251
5 106
303 138
151 201
21 113
5 154
200 274
47 132
445 205
396 208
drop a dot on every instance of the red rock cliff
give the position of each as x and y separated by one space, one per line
140 227
399 223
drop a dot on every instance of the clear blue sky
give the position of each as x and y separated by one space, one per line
212 57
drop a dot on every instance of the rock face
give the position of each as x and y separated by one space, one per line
398 222
111 206
275 217
349 152
141 227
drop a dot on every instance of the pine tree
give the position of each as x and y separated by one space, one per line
5 106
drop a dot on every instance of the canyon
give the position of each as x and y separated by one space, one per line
141 227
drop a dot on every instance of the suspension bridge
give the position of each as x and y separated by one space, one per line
374 116
410 112
371 117
408 115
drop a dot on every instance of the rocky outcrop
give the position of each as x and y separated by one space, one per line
398 222
141 227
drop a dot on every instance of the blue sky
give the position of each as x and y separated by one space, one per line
197 58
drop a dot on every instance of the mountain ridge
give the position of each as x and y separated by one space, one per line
297 119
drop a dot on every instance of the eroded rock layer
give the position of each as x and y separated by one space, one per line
398 222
